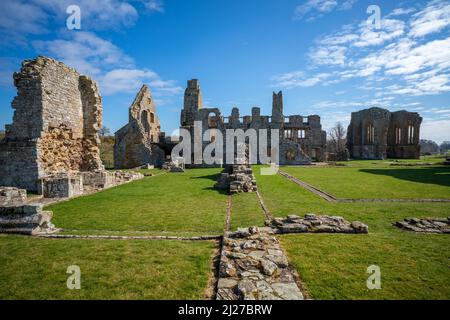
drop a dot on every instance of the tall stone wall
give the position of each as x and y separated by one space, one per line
136 142
376 133
294 149
58 113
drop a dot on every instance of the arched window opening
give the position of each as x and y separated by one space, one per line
398 135
411 133
370 134
144 121
301 134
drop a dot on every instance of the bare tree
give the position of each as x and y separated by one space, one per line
104 131
337 141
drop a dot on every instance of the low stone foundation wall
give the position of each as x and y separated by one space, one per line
253 267
316 224
26 219
429 225
11 195
236 179
61 185
64 185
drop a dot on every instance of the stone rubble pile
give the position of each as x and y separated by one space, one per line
239 178
430 225
26 219
312 223
173 166
12 195
253 267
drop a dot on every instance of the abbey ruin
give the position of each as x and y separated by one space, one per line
302 139
52 146
136 142
376 133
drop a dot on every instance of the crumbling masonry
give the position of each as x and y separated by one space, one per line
136 142
52 147
376 133
301 138
58 113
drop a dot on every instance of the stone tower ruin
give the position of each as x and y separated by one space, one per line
302 139
57 116
136 142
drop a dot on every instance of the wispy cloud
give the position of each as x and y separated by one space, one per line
434 18
95 15
313 9
395 53
105 62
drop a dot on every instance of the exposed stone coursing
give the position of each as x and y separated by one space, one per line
239 178
253 267
429 225
11 195
376 133
301 139
136 142
58 113
26 219
312 223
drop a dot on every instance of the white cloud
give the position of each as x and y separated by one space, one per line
434 18
298 79
313 9
400 12
416 65
154 5
130 80
33 20
35 15
105 62
328 55
85 51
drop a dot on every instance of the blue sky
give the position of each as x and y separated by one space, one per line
322 53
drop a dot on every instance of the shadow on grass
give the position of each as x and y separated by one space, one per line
212 177
434 175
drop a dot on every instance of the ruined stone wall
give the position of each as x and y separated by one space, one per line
402 148
385 140
56 119
291 151
136 142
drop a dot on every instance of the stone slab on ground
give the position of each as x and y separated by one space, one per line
428 225
29 219
312 223
12 195
253 267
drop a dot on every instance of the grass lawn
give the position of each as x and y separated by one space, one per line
173 203
32 268
246 211
413 266
376 182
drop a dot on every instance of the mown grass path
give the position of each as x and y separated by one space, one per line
333 266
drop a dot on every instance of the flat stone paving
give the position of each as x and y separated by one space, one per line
254 267
429 225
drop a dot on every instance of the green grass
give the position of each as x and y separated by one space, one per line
433 159
375 182
33 268
174 202
246 211
413 266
